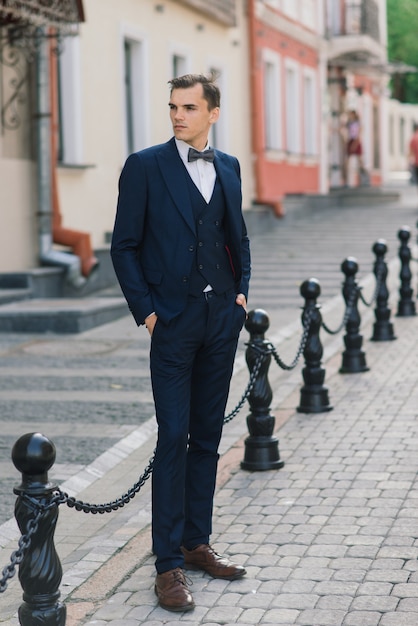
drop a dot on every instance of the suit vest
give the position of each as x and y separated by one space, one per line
211 264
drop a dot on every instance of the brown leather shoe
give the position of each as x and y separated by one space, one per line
205 558
172 591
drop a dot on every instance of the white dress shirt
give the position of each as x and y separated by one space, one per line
202 172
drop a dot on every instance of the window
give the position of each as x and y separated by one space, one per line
219 131
402 135
134 98
310 112
70 141
391 135
290 7
308 14
272 108
333 13
179 65
292 107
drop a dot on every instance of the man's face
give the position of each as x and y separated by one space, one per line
190 116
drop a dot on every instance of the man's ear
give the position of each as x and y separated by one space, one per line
214 115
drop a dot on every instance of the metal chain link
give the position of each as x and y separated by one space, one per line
18 555
379 279
347 313
304 339
61 497
251 383
119 503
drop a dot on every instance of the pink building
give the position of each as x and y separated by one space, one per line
311 61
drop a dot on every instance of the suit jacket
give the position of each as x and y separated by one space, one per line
154 238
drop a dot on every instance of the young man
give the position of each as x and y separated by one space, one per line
181 254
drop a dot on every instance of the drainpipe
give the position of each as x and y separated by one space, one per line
47 255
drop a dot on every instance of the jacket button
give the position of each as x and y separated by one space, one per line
191 248
184 279
217 223
200 222
217 244
200 244
218 267
201 267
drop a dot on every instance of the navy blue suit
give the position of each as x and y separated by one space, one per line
194 341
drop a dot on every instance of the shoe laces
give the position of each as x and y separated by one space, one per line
180 577
212 551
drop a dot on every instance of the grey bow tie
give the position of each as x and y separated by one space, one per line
207 155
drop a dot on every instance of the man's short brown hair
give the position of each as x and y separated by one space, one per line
211 92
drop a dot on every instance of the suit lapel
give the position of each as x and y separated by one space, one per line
228 178
174 174
231 188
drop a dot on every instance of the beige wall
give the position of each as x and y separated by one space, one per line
88 192
18 196
18 239
88 196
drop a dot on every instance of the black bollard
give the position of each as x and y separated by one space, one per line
354 359
313 395
261 448
40 571
382 328
406 305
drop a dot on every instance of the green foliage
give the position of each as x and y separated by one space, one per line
403 46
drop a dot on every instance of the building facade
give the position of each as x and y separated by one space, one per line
356 32
109 97
289 72
287 87
311 62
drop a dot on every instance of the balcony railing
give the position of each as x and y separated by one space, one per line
223 11
54 13
360 17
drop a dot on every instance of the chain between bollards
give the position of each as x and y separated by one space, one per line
347 313
279 361
23 545
58 497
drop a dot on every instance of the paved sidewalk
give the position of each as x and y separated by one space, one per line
331 539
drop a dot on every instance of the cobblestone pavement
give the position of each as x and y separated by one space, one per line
330 539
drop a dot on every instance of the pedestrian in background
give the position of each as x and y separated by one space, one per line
354 149
181 254
413 155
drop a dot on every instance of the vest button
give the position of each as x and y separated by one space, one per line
201 267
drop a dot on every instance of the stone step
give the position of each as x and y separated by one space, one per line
60 315
14 295
352 197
